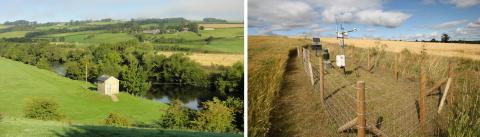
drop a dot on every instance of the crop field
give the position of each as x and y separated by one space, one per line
208 59
4 26
283 102
93 37
471 51
13 34
78 100
220 26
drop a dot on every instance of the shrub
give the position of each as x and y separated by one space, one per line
215 117
43 109
114 119
1 116
175 117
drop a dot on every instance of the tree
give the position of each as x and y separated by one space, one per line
134 78
230 82
140 37
445 37
215 117
43 63
175 117
209 39
433 40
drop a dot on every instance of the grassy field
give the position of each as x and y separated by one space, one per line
267 60
471 51
4 26
18 127
13 34
78 100
206 59
229 40
221 26
267 67
93 37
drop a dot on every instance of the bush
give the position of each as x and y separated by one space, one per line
1 116
114 119
43 109
176 117
215 117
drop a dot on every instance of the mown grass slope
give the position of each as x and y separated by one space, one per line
14 127
77 99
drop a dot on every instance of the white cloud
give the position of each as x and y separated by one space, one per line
457 3
449 24
474 24
382 18
273 15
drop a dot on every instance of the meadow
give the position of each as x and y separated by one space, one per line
78 100
267 67
219 26
13 34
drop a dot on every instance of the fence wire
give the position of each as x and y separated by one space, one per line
391 105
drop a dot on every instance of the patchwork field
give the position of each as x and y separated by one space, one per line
206 59
219 26
13 34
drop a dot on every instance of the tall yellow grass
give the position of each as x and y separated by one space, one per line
267 59
206 59
471 51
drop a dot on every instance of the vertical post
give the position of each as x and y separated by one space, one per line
395 65
450 75
368 59
361 123
320 66
422 98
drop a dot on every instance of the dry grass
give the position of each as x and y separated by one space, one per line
221 26
267 60
471 51
211 58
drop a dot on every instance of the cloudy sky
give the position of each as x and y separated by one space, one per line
387 19
65 10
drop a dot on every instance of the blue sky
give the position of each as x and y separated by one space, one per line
401 19
65 10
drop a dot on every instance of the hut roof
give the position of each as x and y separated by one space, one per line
103 78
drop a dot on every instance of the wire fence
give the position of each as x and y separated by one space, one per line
393 106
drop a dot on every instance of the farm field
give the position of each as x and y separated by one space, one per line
208 59
13 34
29 128
78 100
219 26
471 51
283 102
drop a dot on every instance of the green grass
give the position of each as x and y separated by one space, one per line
77 99
226 32
14 127
98 37
13 34
4 26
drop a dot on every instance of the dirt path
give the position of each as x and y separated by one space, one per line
392 105
298 111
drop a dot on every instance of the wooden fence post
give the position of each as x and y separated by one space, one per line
395 65
450 75
422 99
361 121
320 66
368 59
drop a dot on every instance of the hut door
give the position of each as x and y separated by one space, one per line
109 89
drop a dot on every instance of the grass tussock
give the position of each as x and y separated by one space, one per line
267 60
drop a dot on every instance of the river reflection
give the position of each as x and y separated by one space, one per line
191 97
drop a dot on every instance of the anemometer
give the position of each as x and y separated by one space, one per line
340 59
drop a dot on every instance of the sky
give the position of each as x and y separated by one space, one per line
66 10
384 19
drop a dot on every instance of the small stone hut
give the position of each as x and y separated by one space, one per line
107 85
